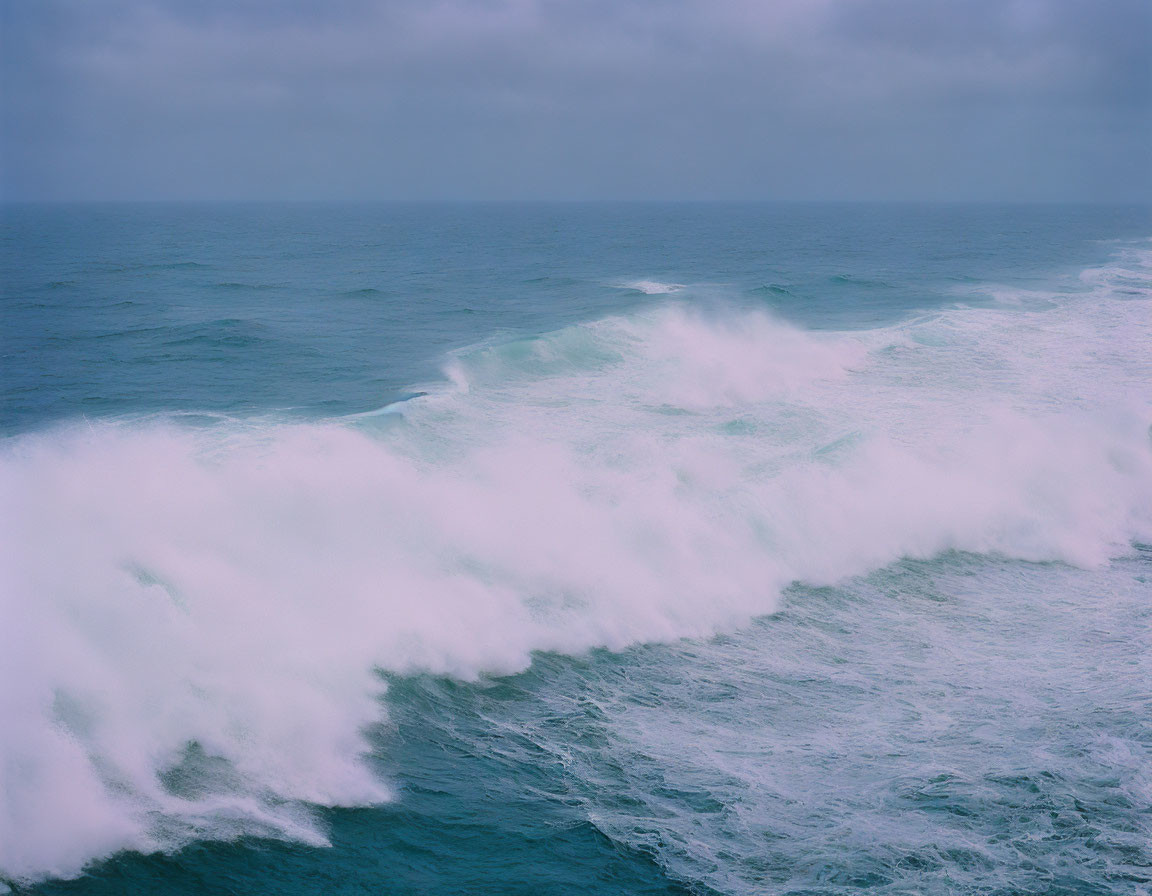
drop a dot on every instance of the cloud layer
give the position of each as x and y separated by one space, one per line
1031 99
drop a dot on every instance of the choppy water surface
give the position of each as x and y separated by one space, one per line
733 549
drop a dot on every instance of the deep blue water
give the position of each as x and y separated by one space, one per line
637 548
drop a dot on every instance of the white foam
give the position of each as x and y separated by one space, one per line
633 479
652 287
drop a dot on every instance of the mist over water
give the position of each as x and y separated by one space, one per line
222 624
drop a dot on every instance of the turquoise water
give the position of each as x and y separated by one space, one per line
544 549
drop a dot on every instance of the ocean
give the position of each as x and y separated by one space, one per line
602 548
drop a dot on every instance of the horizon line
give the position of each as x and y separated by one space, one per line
8 201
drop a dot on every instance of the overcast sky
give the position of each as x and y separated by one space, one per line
650 99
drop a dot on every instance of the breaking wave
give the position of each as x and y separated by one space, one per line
196 613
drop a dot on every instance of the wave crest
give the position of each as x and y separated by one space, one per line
197 613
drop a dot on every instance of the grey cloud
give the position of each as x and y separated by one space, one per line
1032 99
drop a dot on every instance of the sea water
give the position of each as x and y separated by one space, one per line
637 548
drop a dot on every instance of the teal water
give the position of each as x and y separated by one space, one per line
576 548
321 309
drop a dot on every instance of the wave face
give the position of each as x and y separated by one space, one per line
198 614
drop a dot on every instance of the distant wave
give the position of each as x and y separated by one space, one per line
195 614
776 289
232 333
652 287
233 286
852 280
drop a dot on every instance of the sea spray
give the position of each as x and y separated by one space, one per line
195 613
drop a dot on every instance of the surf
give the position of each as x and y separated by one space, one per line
199 613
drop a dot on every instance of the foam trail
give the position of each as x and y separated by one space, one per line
652 287
193 616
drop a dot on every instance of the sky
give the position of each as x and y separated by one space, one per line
986 100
